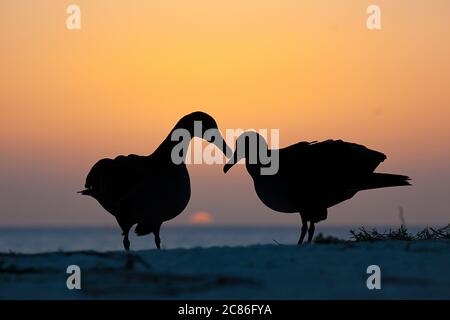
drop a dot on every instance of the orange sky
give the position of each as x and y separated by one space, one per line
309 68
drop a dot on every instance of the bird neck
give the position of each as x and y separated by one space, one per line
254 169
176 144
264 162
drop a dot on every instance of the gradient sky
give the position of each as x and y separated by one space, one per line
310 68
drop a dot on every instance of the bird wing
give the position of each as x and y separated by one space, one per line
114 178
160 195
330 163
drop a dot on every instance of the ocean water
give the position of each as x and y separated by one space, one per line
38 240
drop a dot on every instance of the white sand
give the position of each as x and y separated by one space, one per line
338 271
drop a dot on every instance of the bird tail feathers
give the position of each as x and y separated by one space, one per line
384 180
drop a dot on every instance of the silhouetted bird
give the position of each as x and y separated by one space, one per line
312 176
148 190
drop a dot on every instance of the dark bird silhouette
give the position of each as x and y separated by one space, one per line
148 190
312 176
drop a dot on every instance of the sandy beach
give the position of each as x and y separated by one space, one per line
409 270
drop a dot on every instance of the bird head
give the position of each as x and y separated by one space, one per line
202 125
248 146
94 177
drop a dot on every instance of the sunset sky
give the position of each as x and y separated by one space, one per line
308 68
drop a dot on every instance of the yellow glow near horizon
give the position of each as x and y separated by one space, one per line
308 68
134 69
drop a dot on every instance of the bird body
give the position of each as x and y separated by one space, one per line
313 176
146 190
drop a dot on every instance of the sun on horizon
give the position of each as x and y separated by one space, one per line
201 218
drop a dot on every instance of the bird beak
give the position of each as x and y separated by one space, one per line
222 145
85 192
230 163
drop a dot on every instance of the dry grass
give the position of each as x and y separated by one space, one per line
322 239
401 233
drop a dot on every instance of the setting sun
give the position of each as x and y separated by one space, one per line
201 218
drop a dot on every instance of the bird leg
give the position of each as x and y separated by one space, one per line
125 226
126 241
304 228
311 230
157 238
